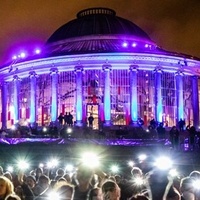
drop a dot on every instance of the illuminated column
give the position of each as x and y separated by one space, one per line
179 95
4 96
195 101
79 95
133 94
33 99
16 82
158 96
107 98
54 95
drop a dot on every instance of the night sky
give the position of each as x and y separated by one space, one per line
172 24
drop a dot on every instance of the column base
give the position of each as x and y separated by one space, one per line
79 123
107 123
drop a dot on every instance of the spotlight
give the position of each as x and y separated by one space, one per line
69 130
90 159
114 168
44 129
142 157
23 164
146 45
52 163
69 168
163 163
131 163
10 169
41 165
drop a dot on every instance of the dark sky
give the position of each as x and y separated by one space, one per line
172 24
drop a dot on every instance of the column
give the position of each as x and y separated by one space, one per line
107 98
133 94
16 82
79 95
54 95
179 95
4 96
158 96
32 116
195 101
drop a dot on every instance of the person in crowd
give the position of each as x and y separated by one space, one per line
70 118
110 190
187 189
61 119
192 133
13 197
90 120
161 131
174 137
181 125
82 180
95 194
6 187
42 185
1 171
38 173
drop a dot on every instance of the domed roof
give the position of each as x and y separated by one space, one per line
97 21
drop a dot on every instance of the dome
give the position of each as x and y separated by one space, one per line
97 21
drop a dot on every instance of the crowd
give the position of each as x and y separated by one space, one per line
87 183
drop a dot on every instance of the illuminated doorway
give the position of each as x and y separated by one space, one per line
93 109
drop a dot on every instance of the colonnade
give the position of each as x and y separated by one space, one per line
133 70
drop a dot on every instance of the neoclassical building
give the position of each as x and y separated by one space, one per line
103 65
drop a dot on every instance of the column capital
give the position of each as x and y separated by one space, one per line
158 69
179 72
16 78
32 74
133 68
107 67
53 70
78 68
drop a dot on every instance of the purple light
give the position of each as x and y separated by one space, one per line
22 55
14 57
134 44
146 46
125 44
37 51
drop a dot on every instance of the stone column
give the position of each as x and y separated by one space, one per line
195 101
16 82
179 95
133 94
54 95
4 96
32 117
107 98
79 95
158 96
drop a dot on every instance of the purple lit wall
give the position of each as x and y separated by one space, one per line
107 100
16 99
158 96
4 105
54 103
133 94
79 96
33 98
195 100
179 95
